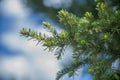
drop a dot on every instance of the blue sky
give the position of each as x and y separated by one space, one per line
21 58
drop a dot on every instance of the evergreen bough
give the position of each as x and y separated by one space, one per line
95 41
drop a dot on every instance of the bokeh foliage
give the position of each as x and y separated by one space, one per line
76 8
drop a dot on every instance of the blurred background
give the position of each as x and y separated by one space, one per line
21 59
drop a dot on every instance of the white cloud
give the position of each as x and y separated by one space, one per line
34 68
14 7
57 3
15 65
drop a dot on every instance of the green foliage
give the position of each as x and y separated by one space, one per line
76 7
95 41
